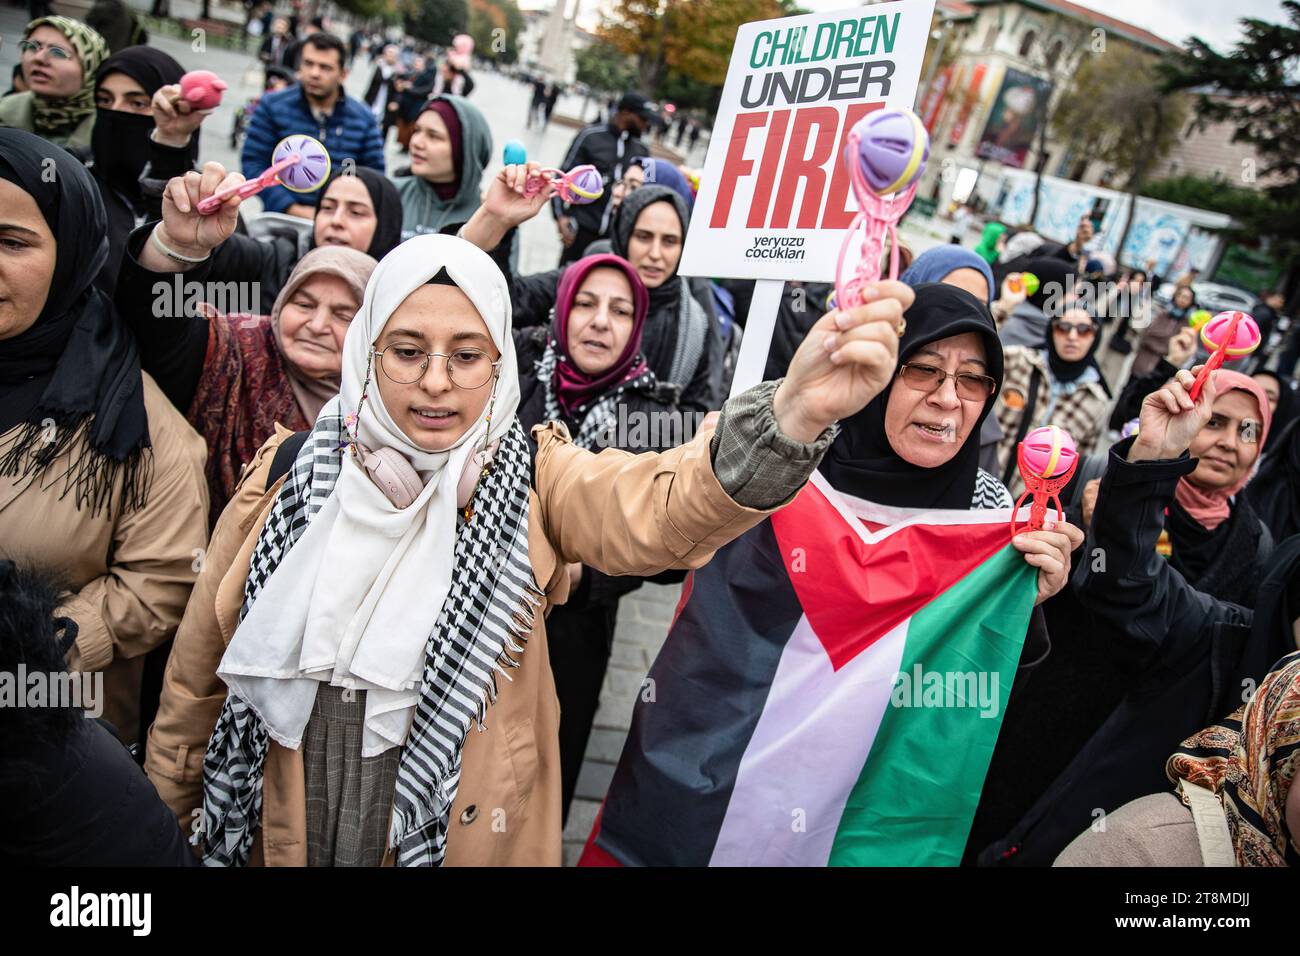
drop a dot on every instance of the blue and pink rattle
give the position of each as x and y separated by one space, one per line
885 155
580 185
299 163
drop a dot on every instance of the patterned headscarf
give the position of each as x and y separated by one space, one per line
59 117
1250 761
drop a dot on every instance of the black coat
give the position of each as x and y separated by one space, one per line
85 802
126 213
1185 657
611 151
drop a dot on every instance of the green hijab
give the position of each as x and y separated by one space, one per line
53 118
988 246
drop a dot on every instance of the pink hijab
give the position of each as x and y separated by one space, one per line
1210 507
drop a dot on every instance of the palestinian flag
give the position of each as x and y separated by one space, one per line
829 694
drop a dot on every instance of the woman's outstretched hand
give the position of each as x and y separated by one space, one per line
183 228
505 206
846 359
1049 551
1169 420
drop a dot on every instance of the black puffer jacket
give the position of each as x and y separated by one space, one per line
1188 657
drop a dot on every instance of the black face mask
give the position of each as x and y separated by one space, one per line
120 143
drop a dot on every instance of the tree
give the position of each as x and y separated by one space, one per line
365 8
603 68
1119 109
1256 87
495 26
688 37
435 21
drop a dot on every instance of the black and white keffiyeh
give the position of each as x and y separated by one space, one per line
600 418
331 585
484 621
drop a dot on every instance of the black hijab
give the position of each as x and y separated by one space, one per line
1063 371
120 140
667 295
77 365
861 462
1286 405
659 338
1275 490
388 209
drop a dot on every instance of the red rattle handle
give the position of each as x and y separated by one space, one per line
251 187
1045 491
1226 338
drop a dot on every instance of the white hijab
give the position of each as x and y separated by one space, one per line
354 601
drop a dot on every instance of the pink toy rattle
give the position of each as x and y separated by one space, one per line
886 154
1228 335
579 186
1047 459
299 163
202 89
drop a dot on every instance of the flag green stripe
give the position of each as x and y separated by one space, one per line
901 812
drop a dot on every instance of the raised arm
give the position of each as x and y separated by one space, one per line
1122 578
152 284
643 514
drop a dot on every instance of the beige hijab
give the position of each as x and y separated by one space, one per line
352 267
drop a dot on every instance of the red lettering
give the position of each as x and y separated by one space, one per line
736 165
836 215
807 167
767 171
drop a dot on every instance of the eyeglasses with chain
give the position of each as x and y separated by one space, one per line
406 365
930 378
36 46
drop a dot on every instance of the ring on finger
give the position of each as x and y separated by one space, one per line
901 327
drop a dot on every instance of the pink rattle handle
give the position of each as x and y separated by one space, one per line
885 153
582 184
251 187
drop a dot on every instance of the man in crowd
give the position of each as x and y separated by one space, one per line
610 147
315 106
278 46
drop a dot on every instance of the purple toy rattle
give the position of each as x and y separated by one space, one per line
885 155
299 163
580 185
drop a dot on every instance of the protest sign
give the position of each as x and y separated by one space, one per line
775 198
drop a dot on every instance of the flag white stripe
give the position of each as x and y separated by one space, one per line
784 813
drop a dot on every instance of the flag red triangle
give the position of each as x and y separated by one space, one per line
854 591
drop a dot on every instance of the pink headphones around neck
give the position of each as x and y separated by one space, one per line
396 478
401 484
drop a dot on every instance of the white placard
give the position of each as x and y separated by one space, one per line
774 198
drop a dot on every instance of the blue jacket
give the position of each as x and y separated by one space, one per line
350 132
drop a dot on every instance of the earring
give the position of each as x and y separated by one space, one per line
352 420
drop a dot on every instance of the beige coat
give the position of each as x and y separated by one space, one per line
1155 830
130 573
617 512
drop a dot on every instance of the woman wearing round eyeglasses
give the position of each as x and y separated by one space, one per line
60 57
338 693
1057 385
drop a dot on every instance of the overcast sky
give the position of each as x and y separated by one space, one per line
1175 20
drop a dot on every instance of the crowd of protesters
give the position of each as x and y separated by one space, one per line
348 556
